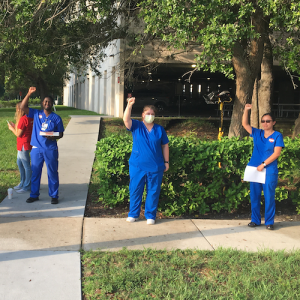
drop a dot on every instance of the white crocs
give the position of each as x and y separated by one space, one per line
150 222
131 220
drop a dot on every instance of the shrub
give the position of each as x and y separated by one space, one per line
195 183
12 103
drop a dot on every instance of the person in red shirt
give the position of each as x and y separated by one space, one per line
22 129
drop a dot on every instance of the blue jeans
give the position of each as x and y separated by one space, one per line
23 162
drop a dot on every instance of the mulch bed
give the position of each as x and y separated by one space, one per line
285 211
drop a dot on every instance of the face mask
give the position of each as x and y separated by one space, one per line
149 118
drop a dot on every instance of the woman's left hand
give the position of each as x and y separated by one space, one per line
167 167
260 167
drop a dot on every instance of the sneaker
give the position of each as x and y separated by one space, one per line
270 227
18 187
21 191
150 222
131 220
30 199
252 224
54 200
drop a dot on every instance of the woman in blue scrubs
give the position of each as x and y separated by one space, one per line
267 148
148 161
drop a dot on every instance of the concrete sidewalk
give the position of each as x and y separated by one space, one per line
114 234
40 242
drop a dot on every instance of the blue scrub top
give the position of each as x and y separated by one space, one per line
53 123
146 149
264 148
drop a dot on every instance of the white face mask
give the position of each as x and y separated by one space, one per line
149 118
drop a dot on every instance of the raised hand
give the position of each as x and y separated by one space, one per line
248 106
131 101
31 90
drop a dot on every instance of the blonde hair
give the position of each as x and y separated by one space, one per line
19 113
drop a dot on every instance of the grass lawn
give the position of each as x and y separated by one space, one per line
191 274
9 172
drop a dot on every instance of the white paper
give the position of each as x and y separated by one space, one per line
251 174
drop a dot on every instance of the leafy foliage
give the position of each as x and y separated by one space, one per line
195 183
217 26
41 41
12 103
230 37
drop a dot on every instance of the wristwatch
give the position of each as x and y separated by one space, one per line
166 162
264 163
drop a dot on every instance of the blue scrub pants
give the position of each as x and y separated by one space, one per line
38 157
138 179
269 194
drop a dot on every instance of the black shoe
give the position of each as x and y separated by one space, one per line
270 227
252 224
30 199
54 200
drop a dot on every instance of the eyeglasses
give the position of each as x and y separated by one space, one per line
266 121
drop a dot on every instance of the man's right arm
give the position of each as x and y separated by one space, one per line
24 103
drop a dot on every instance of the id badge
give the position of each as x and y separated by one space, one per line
44 126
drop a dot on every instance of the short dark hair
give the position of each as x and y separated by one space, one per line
49 97
271 115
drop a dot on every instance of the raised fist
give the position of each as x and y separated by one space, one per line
131 100
32 89
248 106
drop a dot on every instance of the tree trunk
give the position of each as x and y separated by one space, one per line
42 87
244 89
296 131
265 85
255 107
247 58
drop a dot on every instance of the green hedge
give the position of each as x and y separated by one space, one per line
195 183
12 103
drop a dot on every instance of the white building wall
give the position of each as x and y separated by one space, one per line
105 94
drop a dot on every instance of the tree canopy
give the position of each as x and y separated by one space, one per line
41 41
232 34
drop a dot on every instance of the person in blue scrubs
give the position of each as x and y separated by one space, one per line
268 144
148 161
44 148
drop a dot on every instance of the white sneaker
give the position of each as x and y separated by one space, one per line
150 222
131 220
17 187
21 191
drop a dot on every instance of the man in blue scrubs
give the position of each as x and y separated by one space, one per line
44 148
267 148
148 161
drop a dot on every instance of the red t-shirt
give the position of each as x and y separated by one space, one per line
25 124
